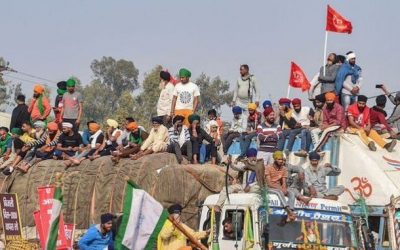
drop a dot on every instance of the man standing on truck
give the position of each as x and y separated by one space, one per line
316 179
170 238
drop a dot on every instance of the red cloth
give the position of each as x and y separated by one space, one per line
336 22
361 119
377 117
297 78
334 116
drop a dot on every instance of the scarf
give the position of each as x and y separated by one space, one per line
345 70
40 104
135 140
93 138
3 144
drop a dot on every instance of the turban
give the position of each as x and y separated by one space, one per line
320 98
61 91
112 123
67 125
39 124
132 126
16 131
184 73
284 101
157 119
350 56
71 82
194 117
252 106
362 98
277 154
296 101
251 152
107 217
237 110
330 96
165 75
94 127
38 88
314 156
175 209
267 103
52 126
62 85
178 118
268 111
381 100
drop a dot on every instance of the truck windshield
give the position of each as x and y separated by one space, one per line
312 227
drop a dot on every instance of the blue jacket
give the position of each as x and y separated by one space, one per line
345 70
94 240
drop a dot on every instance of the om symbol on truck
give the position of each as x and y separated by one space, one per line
361 186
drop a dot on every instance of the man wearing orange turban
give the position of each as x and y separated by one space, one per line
39 108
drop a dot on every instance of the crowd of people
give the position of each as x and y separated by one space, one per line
338 107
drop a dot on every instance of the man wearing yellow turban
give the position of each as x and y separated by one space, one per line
185 96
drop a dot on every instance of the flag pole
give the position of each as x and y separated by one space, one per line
288 91
326 43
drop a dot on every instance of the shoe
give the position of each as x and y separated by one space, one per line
390 146
301 153
7 171
371 146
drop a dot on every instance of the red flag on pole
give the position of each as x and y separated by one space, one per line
297 78
336 22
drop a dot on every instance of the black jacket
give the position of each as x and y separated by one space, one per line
19 115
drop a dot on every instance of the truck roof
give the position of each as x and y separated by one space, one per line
246 199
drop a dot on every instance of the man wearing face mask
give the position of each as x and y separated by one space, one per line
360 124
39 108
179 140
378 117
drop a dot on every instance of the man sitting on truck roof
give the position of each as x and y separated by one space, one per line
316 179
276 176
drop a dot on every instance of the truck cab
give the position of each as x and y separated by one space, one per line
322 223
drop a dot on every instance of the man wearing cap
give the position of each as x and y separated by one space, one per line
268 133
276 176
134 140
246 91
69 144
99 236
348 80
185 96
359 116
170 238
197 135
20 113
316 174
39 108
394 118
179 140
237 128
166 95
253 120
72 105
157 140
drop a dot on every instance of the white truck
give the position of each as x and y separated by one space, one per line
322 224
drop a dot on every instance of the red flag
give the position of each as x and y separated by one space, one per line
336 22
297 78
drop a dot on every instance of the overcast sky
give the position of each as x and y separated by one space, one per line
56 39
